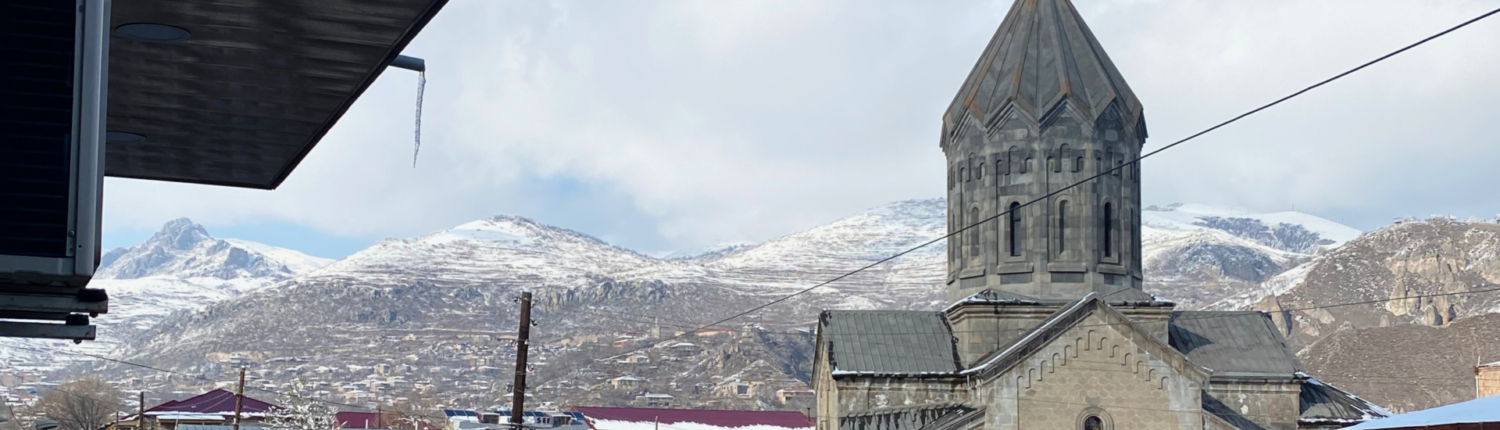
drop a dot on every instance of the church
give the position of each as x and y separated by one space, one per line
1048 326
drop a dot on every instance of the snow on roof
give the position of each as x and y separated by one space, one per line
603 418
1481 410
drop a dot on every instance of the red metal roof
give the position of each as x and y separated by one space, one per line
718 418
372 420
212 402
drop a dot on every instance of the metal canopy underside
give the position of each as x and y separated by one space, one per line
258 84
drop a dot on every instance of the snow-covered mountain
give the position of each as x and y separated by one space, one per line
1210 257
180 267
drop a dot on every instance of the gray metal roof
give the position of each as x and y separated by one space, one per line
889 342
1321 403
1218 409
1233 344
255 88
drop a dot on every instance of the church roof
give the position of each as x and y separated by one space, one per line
1042 56
1233 344
889 342
1321 403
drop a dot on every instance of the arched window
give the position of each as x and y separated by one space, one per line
979 173
1026 167
1078 165
1014 232
1062 158
1108 229
1062 226
1093 423
1012 159
975 248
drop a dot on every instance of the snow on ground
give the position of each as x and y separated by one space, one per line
603 424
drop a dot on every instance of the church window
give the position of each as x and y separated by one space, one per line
1014 232
1078 165
975 250
1026 167
1062 158
1014 157
1107 229
1062 226
979 173
1093 423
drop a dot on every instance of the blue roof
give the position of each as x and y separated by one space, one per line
459 413
1481 410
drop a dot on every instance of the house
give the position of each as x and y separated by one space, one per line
1478 414
791 394
626 382
654 400
601 418
737 388
213 408
458 419
1487 379
637 359
714 332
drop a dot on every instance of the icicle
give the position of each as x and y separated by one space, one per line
421 87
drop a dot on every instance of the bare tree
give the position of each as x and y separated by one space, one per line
301 411
86 403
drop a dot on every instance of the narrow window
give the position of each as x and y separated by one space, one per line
1062 158
1014 237
1078 165
979 174
1093 423
975 249
1026 167
1062 226
1108 229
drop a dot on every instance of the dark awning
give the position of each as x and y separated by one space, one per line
252 91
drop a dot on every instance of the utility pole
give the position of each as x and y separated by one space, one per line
140 417
518 393
239 399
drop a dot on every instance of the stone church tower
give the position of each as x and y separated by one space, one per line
1044 108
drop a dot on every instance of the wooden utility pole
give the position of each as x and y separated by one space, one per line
518 393
140 417
239 399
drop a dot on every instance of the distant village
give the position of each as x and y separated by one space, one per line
665 367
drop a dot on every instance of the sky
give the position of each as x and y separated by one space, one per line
670 126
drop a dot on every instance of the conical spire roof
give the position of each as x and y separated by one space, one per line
1042 57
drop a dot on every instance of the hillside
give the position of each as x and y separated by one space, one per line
181 267
440 307
1390 332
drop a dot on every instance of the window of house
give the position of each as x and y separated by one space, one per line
1107 229
1014 233
743 389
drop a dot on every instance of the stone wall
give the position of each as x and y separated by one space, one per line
857 394
1095 368
981 329
1274 404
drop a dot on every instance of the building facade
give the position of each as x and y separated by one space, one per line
1048 327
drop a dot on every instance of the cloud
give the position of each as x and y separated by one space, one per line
703 122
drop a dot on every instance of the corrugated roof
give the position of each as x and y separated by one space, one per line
699 416
1322 403
214 402
1233 344
889 342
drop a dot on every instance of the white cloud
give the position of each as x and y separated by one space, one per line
747 120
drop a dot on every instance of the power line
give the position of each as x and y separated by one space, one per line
1109 171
